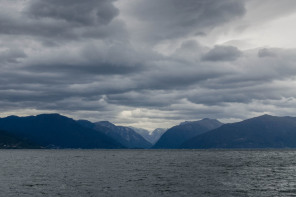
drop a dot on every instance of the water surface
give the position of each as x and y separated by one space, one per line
72 173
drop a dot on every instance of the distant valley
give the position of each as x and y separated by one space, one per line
151 137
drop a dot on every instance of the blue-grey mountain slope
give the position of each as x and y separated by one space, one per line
124 135
177 135
56 131
260 132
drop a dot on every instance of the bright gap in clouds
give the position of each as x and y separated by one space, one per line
278 33
266 24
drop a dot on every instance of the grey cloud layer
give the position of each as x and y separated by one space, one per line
82 58
91 12
168 19
223 53
58 21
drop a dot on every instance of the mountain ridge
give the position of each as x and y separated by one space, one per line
265 131
57 131
124 135
178 134
54 130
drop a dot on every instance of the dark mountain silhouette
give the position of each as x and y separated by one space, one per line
261 132
151 137
125 135
9 141
177 135
56 131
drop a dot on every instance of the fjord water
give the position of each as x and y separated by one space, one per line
147 173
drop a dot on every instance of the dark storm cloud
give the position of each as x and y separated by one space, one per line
223 53
240 95
173 18
62 20
177 79
88 68
93 59
266 53
76 12
11 55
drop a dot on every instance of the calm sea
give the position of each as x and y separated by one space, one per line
72 173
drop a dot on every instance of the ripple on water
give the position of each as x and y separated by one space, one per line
147 173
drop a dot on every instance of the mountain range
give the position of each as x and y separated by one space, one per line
57 131
261 132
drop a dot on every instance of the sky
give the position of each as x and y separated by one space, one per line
148 63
